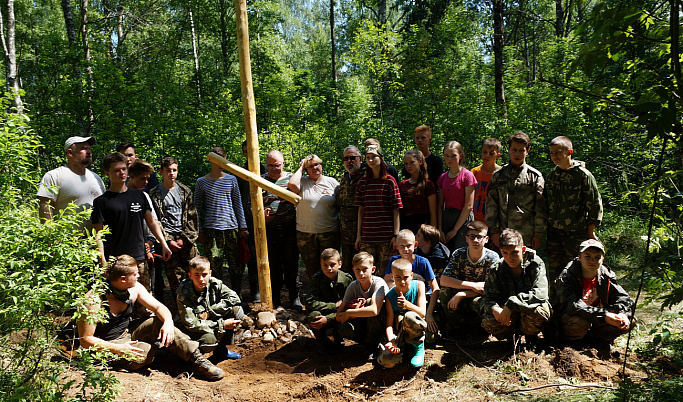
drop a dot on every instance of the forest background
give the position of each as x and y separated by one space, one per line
164 75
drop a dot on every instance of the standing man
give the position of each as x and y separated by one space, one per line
348 213
72 182
178 217
283 252
128 149
221 221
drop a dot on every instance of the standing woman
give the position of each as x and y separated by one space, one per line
418 194
456 197
378 200
316 214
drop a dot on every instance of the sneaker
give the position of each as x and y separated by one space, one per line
203 368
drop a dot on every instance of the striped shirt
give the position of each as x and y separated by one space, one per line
378 197
219 204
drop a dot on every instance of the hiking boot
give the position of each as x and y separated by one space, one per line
203 368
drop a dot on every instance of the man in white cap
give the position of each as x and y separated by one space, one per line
72 182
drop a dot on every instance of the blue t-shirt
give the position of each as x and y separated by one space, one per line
411 296
421 266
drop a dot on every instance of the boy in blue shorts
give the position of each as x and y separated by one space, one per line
406 324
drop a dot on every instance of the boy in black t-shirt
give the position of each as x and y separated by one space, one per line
123 210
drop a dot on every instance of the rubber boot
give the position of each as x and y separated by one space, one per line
416 354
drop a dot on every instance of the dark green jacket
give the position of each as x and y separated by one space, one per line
499 289
324 293
217 299
574 198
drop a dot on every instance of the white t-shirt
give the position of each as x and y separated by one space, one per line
63 186
355 290
317 210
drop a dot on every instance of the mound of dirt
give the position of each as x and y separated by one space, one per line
567 362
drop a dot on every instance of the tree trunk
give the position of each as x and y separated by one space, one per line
69 22
87 128
11 55
498 44
195 53
334 58
223 9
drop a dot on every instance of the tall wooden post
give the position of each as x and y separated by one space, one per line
253 151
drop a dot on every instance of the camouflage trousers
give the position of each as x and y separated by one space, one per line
311 245
575 328
145 278
410 331
348 251
177 266
221 247
528 322
321 333
562 247
365 330
225 337
381 252
449 320
146 334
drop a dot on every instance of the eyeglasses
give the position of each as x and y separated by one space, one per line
312 165
276 166
351 158
475 237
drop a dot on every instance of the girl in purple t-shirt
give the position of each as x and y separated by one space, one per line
456 197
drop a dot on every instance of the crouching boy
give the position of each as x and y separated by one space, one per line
327 289
209 310
515 299
406 324
121 336
589 303
361 314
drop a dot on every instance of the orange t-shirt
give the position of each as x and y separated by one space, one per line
483 179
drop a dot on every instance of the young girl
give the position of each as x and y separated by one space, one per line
418 194
456 197
378 201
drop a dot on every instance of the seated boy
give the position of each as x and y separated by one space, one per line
430 247
405 243
462 282
327 288
589 303
209 310
515 299
406 324
361 314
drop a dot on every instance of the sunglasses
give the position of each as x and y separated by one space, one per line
350 158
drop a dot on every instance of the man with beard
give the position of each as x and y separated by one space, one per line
72 182
348 213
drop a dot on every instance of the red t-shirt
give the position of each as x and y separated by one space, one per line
379 197
414 203
590 292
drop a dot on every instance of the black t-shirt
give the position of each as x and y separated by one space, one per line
124 213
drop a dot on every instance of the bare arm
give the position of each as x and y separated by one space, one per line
167 331
295 181
433 301
46 206
361 210
397 220
439 210
447 281
100 244
464 213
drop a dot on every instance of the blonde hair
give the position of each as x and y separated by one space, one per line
458 148
401 264
312 158
362 257
122 265
200 263
405 234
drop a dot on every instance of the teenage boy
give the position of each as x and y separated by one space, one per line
118 334
462 282
515 198
406 325
124 211
128 149
575 206
429 246
423 137
326 294
221 221
175 204
73 182
589 303
515 299
209 310
361 314
490 152
405 243
348 212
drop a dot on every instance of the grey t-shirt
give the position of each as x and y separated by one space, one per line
173 210
355 290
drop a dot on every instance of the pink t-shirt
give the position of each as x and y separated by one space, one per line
453 189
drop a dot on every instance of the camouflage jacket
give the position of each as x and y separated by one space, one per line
189 218
216 299
569 291
348 213
324 293
460 266
574 198
516 199
532 285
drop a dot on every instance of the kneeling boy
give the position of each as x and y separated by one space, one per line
406 324
515 299
462 282
361 314
209 310
590 304
327 289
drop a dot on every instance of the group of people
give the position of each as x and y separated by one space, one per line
354 225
